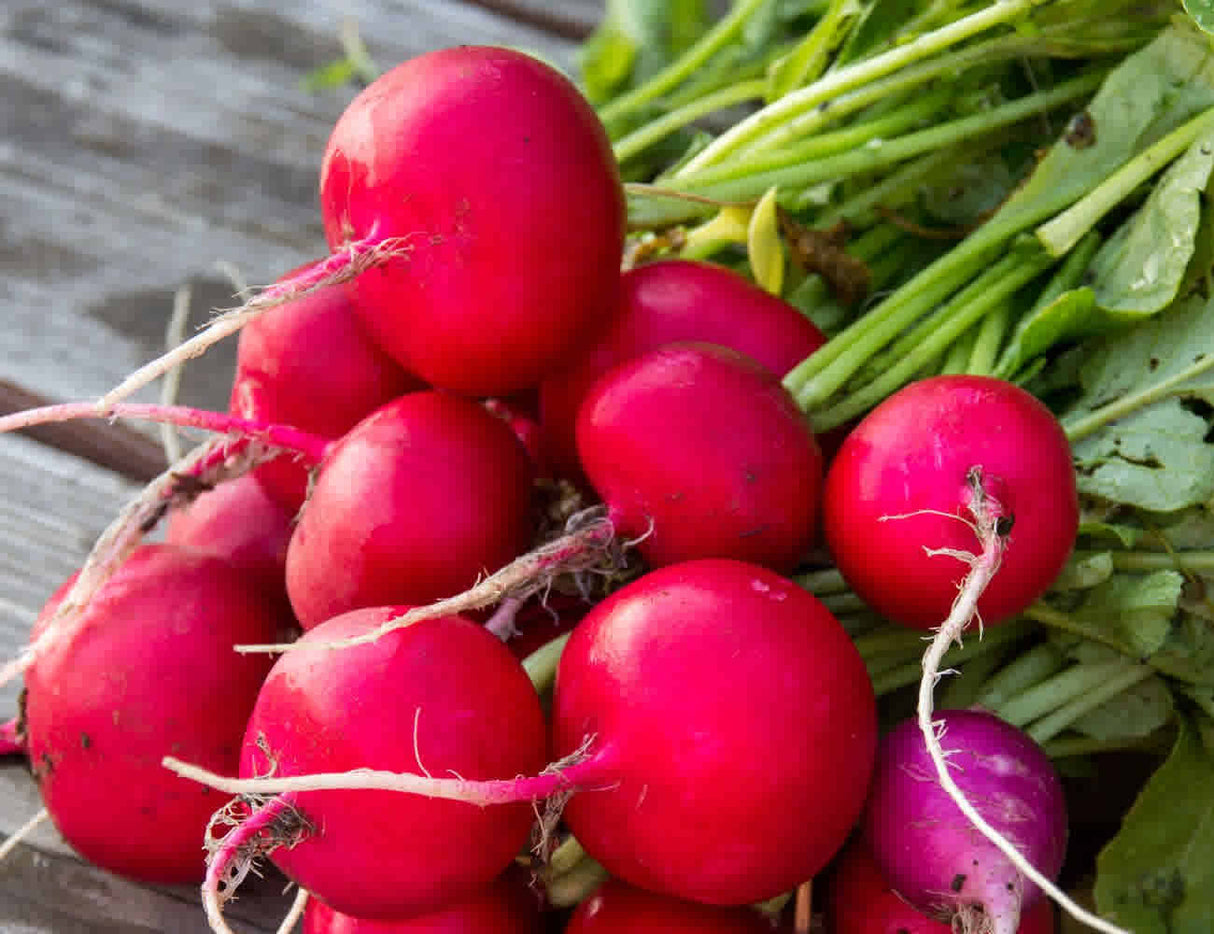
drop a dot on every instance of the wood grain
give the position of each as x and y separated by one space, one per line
141 141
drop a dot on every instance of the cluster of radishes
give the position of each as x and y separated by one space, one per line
466 364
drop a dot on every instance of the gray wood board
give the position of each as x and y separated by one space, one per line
141 143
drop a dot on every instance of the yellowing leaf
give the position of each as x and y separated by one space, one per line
764 248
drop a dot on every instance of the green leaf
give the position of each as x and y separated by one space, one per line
1152 92
1085 571
1132 714
1136 610
880 23
1157 457
1157 875
1140 268
605 62
1126 535
634 41
331 75
1202 13
809 58
1072 314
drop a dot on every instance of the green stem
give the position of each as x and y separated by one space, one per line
1194 562
983 294
911 672
989 339
742 182
641 139
566 856
891 640
1065 230
961 690
955 361
839 603
685 65
1050 726
1058 690
825 371
828 580
541 664
1056 619
567 890
895 190
1026 671
853 76
1078 429
1086 745
1068 276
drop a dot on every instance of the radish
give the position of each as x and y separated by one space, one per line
734 730
238 521
473 204
502 907
671 301
442 697
951 472
930 852
678 786
415 503
617 908
700 452
325 390
500 181
897 505
146 669
860 901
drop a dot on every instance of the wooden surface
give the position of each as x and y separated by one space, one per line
142 142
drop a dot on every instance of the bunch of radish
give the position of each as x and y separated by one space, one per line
467 412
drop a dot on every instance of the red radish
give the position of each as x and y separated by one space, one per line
618 908
309 364
502 907
442 697
860 901
700 452
735 728
145 670
673 301
527 429
472 201
930 852
499 179
896 506
12 739
682 787
542 619
416 502
236 520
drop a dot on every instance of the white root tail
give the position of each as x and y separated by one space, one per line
590 547
342 266
987 514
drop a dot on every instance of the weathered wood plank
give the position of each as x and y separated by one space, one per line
52 508
143 142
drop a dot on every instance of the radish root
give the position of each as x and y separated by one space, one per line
22 832
991 523
259 826
563 775
592 547
342 266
